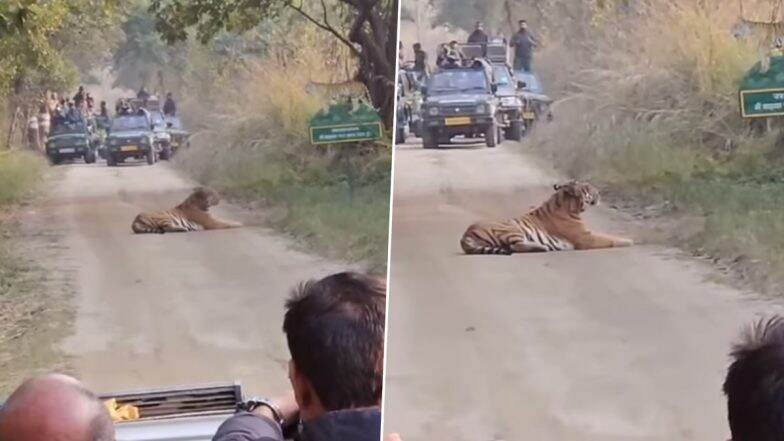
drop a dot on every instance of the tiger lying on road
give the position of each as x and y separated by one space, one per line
191 215
554 226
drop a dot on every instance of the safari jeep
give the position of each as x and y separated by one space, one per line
511 107
460 101
536 104
71 140
179 136
177 414
130 136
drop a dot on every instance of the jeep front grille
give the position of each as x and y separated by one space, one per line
181 401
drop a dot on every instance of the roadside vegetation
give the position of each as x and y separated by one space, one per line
256 148
647 107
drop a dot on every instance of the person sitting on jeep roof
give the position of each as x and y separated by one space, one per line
104 110
451 56
335 333
478 36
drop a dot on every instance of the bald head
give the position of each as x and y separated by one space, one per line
54 407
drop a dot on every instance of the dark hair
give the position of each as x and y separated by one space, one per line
417 46
335 332
522 21
755 383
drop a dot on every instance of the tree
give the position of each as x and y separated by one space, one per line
367 27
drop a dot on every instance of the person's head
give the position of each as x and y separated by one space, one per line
453 44
81 88
523 25
70 103
755 383
103 103
479 26
169 95
335 333
417 47
54 407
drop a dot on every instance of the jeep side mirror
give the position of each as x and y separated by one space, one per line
521 85
494 87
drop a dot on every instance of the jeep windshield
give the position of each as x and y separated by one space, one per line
68 128
501 76
126 123
451 81
157 118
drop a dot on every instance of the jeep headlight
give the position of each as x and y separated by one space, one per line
432 111
481 108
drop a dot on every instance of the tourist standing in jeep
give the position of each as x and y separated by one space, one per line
523 43
478 36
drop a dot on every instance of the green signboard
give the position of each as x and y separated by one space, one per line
761 103
345 122
762 89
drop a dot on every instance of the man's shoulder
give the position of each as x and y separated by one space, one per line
246 426
345 425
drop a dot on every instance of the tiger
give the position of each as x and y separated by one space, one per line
191 215
553 226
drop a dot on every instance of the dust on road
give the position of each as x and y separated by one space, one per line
615 344
175 309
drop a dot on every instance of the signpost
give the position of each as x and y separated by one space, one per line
762 90
345 122
761 103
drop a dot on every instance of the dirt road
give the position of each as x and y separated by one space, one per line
174 309
623 344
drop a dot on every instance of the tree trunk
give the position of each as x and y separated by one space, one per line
377 37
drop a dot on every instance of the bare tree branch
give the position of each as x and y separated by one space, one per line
323 26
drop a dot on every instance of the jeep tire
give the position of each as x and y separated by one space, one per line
491 135
166 152
430 138
516 131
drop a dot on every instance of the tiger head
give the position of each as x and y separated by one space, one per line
203 198
577 195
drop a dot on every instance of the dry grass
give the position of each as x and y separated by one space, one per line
19 174
651 111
